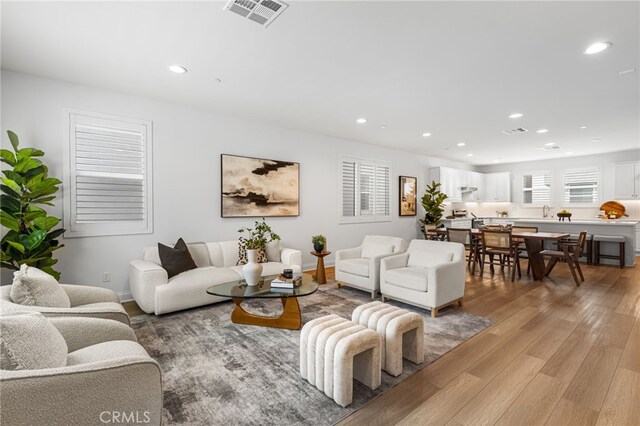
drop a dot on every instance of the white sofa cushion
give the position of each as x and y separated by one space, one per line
30 342
359 266
411 277
33 287
370 250
107 350
273 251
428 259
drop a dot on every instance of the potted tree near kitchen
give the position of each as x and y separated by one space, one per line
432 202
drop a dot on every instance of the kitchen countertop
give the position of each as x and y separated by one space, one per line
608 222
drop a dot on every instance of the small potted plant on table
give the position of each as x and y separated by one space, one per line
256 244
319 241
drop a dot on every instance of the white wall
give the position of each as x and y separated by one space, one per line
186 166
557 166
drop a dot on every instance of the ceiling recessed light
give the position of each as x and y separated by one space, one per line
496 161
461 144
542 131
569 153
469 155
583 127
596 140
177 69
629 71
384 126
516 115
426 135
597 47
550 144
361 120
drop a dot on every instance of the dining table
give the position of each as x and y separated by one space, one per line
534 242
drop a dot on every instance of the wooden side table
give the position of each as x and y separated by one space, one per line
321 278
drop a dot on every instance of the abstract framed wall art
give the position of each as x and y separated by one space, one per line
407 195
257 187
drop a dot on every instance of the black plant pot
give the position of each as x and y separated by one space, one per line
319 248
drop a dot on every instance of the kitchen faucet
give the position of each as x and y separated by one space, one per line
545 211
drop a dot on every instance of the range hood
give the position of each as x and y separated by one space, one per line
466 189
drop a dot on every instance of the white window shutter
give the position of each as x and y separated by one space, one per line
365 190
108 168
581 186
536 188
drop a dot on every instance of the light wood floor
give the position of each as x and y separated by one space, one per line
558 355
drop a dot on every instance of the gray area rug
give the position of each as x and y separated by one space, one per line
220 373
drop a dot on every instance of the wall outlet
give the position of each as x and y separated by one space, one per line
106 277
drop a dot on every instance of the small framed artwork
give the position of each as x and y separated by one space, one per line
408 195
258 187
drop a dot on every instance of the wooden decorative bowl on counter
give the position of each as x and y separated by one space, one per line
562 216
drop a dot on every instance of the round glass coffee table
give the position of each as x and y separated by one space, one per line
290 317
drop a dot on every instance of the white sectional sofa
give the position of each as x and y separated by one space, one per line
216 261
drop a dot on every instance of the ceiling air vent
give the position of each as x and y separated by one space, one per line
514 131
264 12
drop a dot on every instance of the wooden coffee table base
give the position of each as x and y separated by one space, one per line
290 318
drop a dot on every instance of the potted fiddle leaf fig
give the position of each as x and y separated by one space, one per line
31 236
432 202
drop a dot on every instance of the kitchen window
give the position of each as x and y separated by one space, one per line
581 186
536 188
365 188
107 169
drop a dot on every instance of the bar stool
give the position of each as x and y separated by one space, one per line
588 252
597 239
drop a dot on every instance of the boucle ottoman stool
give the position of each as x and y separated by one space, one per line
402 333
334 351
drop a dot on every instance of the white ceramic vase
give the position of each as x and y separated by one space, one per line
252 270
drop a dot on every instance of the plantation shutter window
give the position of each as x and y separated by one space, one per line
108 169
365 190
536 188
581 186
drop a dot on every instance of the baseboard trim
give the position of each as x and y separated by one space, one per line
125 296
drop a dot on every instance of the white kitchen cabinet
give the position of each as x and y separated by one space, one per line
474 180
638 238
450 180
626 181
497 187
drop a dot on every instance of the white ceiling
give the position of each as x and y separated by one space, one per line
455 69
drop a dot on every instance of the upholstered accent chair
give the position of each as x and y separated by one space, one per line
431 275
359 267
106 373
86 301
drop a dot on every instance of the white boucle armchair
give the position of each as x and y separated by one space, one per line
86 301
107 373
431 274
359 267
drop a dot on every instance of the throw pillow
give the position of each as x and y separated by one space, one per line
176 259
372 250
28 341
242 253
273 251
33 287
428 259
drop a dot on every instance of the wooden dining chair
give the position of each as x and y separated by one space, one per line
499 243
569 251
464 236
520 244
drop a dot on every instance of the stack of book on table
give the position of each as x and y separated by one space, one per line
283 284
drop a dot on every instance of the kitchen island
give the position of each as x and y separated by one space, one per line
630 229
